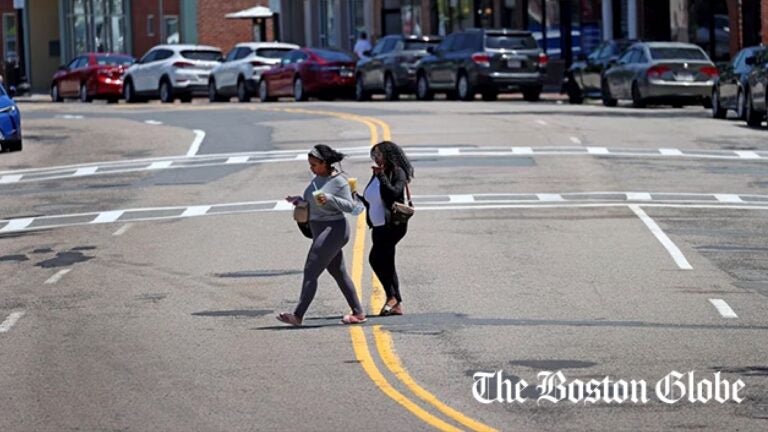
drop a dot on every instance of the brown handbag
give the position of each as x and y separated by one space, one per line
301 216
400 213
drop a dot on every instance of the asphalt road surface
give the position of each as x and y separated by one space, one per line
145 250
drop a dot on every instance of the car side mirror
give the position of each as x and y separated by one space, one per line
12 92
367 53
751 61
431 49
62 67
221 60
581 57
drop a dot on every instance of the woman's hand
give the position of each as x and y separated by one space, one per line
294 199
377 169
322 199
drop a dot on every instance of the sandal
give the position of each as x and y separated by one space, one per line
386 310
353 319
396 309
289 318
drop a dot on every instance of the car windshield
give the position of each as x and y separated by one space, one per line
275 53
496 41
674 53
201 55
334 55
419 45
114 60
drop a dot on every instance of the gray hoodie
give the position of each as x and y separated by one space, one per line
340 201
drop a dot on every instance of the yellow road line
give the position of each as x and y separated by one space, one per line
386 351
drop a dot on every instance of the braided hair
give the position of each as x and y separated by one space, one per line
394 156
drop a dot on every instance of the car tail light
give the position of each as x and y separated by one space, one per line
183 65
657 71
256 63
481 59
543 60
710 71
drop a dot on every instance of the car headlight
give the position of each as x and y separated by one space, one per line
8 109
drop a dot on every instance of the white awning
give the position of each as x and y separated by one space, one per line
254 12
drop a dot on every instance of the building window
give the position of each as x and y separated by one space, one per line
150 25
95 25
328 24
9 36
454 15
171 29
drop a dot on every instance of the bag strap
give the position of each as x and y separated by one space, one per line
408 195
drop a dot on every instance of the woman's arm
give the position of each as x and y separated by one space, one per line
342 200
392 190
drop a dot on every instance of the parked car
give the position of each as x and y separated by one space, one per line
730 88
91 76
582 79
390 68
240 72
168 72
669 72
310 72
484 61
10 123
756 93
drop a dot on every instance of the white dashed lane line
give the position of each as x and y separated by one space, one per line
357 153
122 230
153 122
10 321
57 277
723 307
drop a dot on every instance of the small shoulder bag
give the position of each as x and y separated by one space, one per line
400 213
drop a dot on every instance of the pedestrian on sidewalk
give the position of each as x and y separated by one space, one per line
329 198
362 45
392 171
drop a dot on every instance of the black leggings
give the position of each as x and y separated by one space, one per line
382 257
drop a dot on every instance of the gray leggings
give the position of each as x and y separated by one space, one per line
326 254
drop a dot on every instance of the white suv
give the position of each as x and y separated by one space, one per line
240 73
171 71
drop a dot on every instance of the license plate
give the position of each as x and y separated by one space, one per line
514 64
346 73
684 77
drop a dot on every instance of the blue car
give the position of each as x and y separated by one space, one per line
10 123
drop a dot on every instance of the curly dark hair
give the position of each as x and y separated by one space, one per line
394 156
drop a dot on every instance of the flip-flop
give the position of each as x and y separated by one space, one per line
386 310
289 318
352 319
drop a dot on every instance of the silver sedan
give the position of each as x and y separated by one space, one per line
667 72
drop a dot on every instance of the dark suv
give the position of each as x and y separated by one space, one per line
583 78
757 90
484 61
390 67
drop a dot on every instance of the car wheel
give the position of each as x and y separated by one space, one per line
84 94
56 94
532 94
423 91
574 94
242 91
361 95
213 94
741 105
754 119
299 95
464 88
166 92
490 96
390 88
264 92
637 98
129 93
608 99
11 146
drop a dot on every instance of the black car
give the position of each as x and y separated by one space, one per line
756 91
582 79
483 61
390 68
729 92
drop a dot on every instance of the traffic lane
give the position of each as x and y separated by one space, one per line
53 142
733 241
172 325
595 286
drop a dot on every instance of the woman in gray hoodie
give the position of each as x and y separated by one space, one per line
329 197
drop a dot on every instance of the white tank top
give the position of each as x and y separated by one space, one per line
376 212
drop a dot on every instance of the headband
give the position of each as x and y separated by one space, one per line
316 154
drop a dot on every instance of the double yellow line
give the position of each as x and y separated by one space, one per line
382 338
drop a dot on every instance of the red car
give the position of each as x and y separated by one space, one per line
91 76
308 72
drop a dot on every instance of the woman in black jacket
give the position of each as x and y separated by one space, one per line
391 172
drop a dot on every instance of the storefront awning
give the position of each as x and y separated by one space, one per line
255 12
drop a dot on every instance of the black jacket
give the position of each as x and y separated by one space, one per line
392 189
